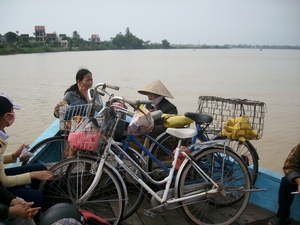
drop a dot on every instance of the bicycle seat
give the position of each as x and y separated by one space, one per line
199 117
182 133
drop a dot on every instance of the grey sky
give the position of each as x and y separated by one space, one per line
262 22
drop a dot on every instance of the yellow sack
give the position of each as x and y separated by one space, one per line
238 128
175 121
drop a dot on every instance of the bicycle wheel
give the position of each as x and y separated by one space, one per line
170 142
230 200
245 149
72 178
248 153
135 191
49 150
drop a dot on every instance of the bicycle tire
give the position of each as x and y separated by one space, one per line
168 141
135 191
56 144
107 199
245 149
229 172
248 153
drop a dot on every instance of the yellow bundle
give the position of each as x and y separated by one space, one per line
238 128
175 121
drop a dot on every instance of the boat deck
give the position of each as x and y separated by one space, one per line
253 215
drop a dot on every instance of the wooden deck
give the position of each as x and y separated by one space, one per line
253 215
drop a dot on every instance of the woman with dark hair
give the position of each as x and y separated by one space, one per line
77 94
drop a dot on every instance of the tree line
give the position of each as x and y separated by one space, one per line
15 44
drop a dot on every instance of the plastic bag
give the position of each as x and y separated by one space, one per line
141 123
84 135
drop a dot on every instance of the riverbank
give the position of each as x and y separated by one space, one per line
13 49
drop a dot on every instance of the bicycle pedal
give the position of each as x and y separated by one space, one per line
147 212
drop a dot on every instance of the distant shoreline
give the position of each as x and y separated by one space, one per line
17 50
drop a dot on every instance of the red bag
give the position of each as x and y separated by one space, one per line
92 219
84 140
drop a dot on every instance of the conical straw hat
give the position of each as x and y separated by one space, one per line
156 87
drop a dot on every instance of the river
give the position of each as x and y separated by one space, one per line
37 82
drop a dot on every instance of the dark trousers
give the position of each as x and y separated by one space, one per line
285 198
30 192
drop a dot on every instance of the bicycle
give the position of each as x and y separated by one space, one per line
221 183
217 112
59 143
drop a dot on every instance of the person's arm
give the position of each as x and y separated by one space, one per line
14 180
5 200
65 100
6 196
297 180
22 209
167 107
4 212
291 166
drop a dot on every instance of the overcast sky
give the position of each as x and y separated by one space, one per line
262 22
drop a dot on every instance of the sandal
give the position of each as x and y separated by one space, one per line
279 221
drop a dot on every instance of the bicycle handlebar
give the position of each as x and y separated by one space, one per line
133 103
105 85
101 91
146 102
91 93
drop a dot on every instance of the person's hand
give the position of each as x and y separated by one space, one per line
18 152
16 201
24 157
42 175
84 91
56 109
23 209
57 106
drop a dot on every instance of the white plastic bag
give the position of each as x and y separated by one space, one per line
141 123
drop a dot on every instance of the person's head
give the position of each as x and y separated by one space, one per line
7 114
154 90
152 96
84 78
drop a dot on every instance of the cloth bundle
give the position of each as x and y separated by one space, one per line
238 128
175 121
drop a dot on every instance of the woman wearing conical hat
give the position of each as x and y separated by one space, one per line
157 93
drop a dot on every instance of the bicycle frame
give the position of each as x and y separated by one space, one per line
167 180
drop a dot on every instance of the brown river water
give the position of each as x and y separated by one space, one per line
37 82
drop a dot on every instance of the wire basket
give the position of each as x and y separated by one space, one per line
85 134
222 109
68 113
